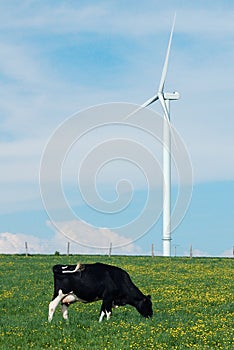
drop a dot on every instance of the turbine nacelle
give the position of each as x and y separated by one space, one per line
171 95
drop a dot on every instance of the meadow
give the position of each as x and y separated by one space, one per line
192 303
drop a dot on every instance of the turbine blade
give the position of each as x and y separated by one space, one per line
148 102
167 117
164 107
164 71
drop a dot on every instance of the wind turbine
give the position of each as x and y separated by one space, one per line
165 98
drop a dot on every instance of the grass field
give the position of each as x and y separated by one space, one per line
192 302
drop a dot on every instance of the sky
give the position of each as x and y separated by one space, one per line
75 69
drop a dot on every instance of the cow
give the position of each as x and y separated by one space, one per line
91 282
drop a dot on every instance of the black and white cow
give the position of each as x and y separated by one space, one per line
92 282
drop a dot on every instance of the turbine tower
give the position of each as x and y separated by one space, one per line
165 98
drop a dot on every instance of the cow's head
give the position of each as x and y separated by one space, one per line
145 306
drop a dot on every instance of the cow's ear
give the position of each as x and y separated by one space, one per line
149 296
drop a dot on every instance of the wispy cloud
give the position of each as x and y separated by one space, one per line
116 17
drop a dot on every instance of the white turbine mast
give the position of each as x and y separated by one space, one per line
165 98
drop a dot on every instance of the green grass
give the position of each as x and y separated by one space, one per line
192 302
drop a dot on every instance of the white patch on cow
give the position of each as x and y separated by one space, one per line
64 267
114 306
101 316
70 298
54 303
67 298
76 269
103 313
108 315
65 311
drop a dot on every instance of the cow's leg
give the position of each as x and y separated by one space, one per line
54 303
64 308
106 309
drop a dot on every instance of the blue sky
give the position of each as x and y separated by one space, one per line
60 58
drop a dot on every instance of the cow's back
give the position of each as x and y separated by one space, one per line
120 279
88 283
93 280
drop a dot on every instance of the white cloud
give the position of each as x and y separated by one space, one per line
227 253
14 243
197 253
11 243
93 237
200 253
